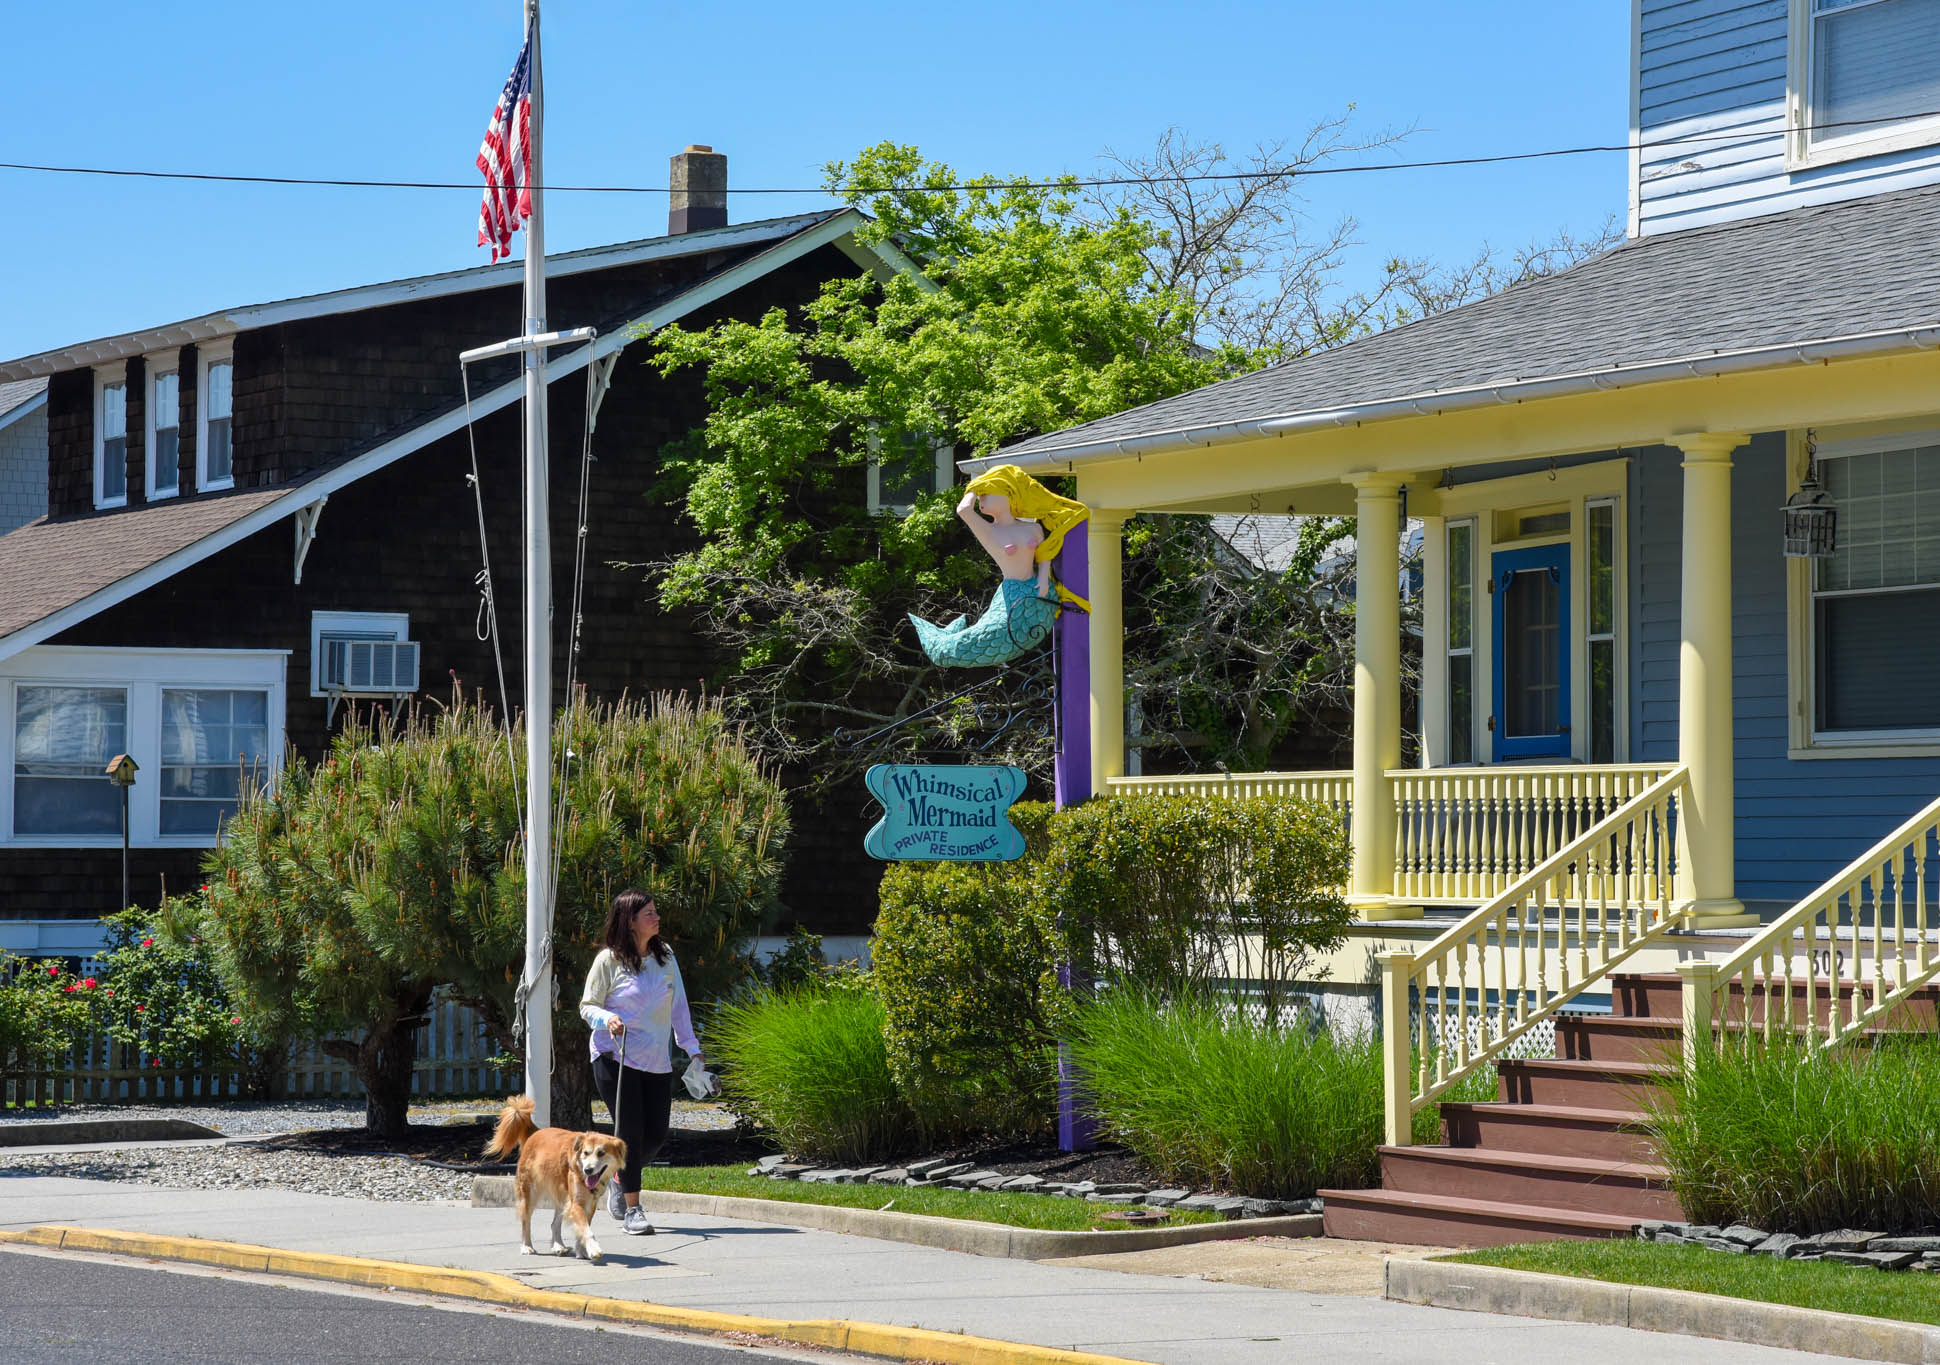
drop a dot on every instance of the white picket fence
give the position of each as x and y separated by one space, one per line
451 1061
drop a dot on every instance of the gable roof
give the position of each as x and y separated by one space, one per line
1851 278
54 574
20 397
229 321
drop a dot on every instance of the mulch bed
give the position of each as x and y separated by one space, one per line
461 1144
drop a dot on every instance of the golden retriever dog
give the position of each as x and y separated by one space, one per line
558 1169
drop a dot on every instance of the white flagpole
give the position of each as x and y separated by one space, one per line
538 638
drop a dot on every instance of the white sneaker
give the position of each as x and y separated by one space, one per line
615 1201
636 1223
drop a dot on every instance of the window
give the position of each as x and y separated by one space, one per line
63 738
1866 76
164 429
203 727
330 631
1461 642
896 481
111 437
1601 532
1876 602
213 744
214 460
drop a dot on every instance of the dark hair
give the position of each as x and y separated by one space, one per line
619 931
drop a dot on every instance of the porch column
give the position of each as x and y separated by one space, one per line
1706 877
1377 694
1104 541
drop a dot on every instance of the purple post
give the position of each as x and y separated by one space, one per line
1077 1130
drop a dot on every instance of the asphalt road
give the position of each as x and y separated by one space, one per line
60 1309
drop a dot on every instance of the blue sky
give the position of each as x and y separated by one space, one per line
402 90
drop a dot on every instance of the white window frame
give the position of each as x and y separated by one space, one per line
144 673
358 625
158 368
105 378
1806 740
944 476
1802 148
208 354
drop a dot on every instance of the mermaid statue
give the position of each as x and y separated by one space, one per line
1022 524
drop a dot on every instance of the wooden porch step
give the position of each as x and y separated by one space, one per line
1448 1220
1555 1129
1661 994
1615 1038
1585 1184
1591 1084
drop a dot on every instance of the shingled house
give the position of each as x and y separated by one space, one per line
255 514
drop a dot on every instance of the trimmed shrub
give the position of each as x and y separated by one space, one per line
1799 1139
808 1064
1186 894
966 968
1211 1098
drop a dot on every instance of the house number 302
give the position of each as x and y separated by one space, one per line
1827 962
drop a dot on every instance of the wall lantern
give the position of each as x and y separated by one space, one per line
1811 519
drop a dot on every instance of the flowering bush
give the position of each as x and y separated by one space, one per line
161 992
44 1009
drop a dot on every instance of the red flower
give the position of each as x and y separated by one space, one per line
90 983
68 988
109 992
54 971
148 943
140 1008
156 1062
236 1020
205 888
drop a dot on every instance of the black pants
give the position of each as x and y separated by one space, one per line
645 1103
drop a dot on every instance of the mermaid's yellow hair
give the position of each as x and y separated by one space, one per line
1032 500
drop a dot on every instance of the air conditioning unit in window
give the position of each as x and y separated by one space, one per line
367 668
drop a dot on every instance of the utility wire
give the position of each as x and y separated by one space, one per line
1070 182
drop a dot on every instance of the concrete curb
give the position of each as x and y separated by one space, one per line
59 1134
944 1234
1563 1298
867 1338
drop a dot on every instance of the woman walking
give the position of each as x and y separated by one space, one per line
633 1001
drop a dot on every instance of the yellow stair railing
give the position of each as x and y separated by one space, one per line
1556 930
1862 944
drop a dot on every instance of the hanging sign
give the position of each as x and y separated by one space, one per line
944 813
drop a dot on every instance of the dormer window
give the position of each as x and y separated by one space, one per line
111 437
164 412
1865 77
214 459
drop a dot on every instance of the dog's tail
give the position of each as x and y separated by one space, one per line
514 1127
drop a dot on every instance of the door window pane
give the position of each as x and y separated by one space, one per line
214 743
1461 708
1461 585
1532 653
1603 701
63 739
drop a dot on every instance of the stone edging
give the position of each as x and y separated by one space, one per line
945 1234
868 1338
1563 1298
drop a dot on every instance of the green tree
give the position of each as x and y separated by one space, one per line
342 898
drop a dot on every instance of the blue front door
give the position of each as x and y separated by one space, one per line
1531 602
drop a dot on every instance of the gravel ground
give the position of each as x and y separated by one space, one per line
242 1165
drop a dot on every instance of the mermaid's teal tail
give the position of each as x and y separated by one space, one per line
1016 620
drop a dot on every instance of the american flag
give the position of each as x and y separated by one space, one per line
506 159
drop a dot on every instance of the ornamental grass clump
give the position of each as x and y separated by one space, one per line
808 1064
1212 1098
1793 1138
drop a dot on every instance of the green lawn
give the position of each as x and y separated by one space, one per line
1014 1210
1904 1296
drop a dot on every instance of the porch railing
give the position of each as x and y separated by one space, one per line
1462 835
1559 928
1840 961
1335 789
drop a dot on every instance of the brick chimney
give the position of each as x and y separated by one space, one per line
698 178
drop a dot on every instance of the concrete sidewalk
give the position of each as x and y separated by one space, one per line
766 1269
